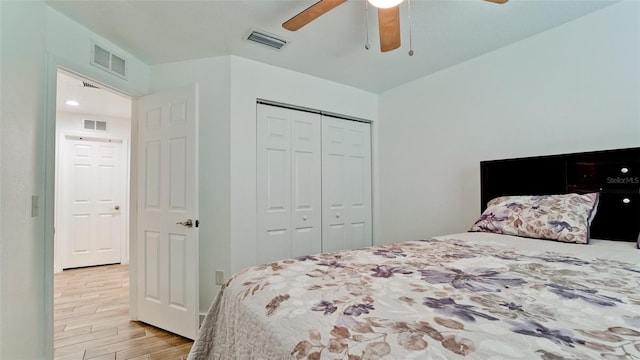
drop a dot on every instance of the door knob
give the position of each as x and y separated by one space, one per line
188 223
117 207
337 215
304 218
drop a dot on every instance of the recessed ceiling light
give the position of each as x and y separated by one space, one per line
385 4
72 103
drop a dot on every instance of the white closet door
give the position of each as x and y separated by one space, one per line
307 184
346 184
288 176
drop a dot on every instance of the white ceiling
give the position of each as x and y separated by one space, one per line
92 101
445 33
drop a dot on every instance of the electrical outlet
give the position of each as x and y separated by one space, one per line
219 277
35 205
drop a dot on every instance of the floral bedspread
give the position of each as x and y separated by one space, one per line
427 300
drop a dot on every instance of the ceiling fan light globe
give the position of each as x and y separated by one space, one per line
385 4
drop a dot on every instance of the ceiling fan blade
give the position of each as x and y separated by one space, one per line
497 1
311 13
389 27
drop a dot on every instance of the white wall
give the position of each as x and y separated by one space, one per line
573 88
212 75
34 41
251 80
22 260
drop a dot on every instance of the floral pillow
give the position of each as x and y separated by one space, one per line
565 217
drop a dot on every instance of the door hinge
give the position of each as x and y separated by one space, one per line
197 223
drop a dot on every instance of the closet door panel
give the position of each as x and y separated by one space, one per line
346 184
335 186
335 234
359 190
278 196
307 200
359 235
274 183
288 183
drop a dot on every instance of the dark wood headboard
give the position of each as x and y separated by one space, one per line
615 174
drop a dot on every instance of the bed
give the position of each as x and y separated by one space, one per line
519 285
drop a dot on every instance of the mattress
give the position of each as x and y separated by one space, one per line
607 249
459 296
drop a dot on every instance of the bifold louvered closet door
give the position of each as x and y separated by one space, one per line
313 183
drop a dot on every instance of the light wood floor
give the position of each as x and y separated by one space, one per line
91 319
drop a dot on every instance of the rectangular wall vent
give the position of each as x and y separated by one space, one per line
95 125
118 65
108 61
89 85
263 38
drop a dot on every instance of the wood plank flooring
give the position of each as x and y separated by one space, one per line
91 320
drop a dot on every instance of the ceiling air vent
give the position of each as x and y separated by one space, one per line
94 125
264 38
89 85
108 61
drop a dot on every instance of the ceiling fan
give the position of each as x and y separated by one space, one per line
388 19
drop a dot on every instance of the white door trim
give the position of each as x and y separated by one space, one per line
53 63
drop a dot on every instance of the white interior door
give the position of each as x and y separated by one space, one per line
346 184
289 183
90 226
167 235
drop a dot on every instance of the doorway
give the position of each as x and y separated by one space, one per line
93 131
170 110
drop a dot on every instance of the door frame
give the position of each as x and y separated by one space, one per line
53 63
126 156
